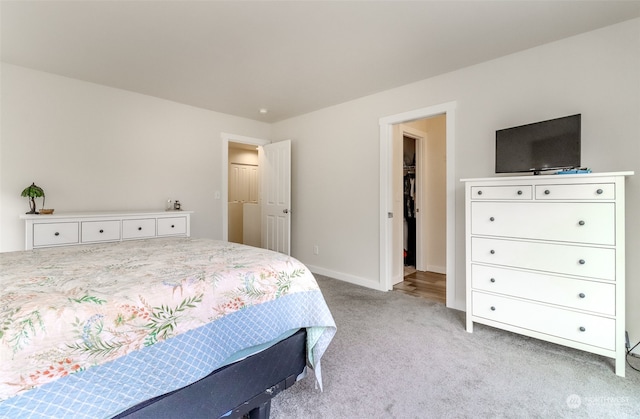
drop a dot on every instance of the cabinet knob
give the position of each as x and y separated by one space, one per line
139 228
599 191
519 192
581 222
492 280
56 234
491 219
172 225
582 261
493 252
583 329
547 191
101 231
581 295
493 308
479 192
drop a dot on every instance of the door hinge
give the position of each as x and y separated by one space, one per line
389 215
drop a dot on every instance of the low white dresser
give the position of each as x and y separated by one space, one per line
68 229
545 257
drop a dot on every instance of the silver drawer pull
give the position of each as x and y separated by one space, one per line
139 228
492 219
599 191
493 252
101 231
519 192
493 308
56 234
479 192
172 226
582 261
581 222
582 329
492 280
547 191
581 295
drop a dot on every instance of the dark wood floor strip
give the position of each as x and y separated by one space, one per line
429 285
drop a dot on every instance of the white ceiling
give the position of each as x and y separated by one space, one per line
289 57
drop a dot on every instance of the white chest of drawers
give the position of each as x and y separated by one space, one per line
68 229
545 257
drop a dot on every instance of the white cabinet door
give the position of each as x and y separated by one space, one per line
592 262
243 183
519 192
591 222
557 322
138 229
54 234
598 297
172 226
100 231
590 191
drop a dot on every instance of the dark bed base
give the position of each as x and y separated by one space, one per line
243 388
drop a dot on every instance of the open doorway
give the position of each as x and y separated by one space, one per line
232 146
244 221
388 211
423 191
274 190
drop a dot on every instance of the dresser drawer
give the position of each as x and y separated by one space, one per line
52 234
501 192
137 229
604 191
172 226
587 222
566 324
100 231
593 262
592 296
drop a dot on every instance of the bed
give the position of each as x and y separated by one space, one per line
164 327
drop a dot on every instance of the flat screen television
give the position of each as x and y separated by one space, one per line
545 145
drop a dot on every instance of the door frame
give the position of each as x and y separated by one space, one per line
224 195
386 192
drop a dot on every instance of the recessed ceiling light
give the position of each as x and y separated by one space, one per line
263 110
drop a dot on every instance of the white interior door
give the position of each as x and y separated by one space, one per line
275 164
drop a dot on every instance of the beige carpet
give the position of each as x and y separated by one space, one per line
398 356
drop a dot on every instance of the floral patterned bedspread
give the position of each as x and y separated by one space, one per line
67 311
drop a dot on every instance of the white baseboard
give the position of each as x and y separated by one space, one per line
364 282
356 280
437 269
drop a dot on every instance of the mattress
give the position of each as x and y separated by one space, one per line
89 331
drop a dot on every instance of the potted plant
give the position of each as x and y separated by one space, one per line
32 192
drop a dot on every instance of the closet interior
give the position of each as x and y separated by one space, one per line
409 201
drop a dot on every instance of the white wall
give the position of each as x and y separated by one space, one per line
243 155
336 150
97 148
335 190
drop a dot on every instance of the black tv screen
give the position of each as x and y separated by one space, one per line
545 145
